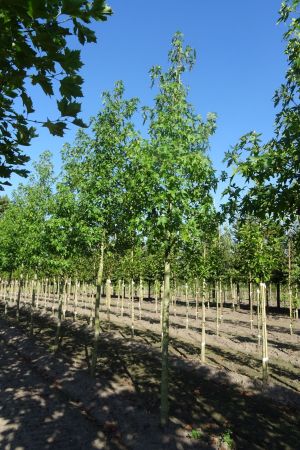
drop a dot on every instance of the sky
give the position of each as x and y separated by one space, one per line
240 63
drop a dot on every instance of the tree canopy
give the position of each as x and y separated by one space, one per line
271 171
34 48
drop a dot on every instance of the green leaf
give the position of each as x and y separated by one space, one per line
72 7
70 60
68 108
44 82
55 128
70 86
79 123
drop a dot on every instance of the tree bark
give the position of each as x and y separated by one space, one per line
97 316
164 401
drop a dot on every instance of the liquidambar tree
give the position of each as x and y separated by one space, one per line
96 172
174 175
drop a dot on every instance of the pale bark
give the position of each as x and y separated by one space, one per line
97 316
164 405
19 298
265 356
60 300
203 323
187 304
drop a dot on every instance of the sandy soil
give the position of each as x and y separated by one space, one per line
224 394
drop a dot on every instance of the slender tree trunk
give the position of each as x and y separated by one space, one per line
53 296
38 290
122 298
97 316
258 318
197 299
238 296
251 302
7 294
64 305
140 298
32 304
132 308
46 288
232 294
187 305
203 323
60 299
164 405
221 301
265 357
119 296
19 298
108 300
290 287
75 300
278 295
217 309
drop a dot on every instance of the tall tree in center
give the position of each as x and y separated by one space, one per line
174 175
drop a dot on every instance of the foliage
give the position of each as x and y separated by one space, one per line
271 171
96 171
172 170
23 237
227 438
4 203
34 48
259 249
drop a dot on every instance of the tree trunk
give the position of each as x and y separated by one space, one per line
278 295
251 303
132 308
265 358
187 306
164 401
97 317
59 313
19 298
108 300
203 323
32 305
217 310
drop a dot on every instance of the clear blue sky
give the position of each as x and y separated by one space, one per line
240 62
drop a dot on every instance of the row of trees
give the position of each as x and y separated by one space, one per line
143 206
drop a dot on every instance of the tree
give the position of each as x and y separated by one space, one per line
34 48
271 171
23 237
96 171
259 248
172 177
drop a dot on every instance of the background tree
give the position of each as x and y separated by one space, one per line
96 172
34 48
23 237
271 171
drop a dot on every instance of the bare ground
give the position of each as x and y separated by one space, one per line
120 409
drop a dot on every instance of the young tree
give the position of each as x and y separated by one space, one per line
23 237
173 176
96 172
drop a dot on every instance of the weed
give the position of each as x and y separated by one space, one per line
227 438
195 434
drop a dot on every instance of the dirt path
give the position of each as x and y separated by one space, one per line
202 397
35 416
